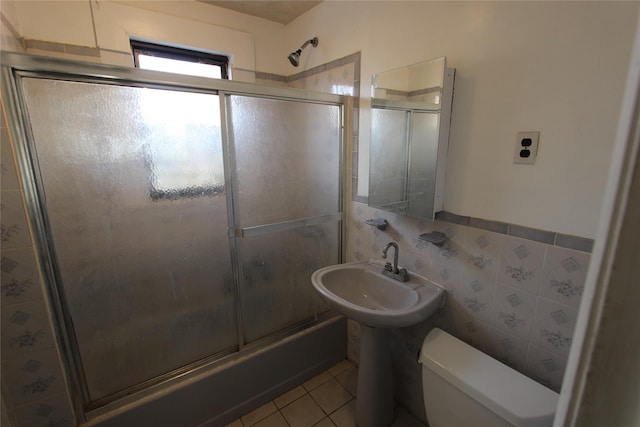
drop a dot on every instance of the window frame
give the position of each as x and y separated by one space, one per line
163 51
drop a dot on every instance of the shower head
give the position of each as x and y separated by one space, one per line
294 57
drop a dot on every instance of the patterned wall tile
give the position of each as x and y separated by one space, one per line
444 275
25 328
452 251
553 326
465 326
521 263
565 272
545 367
474 294
20 279
513 311
8 175
34 376
15 233
53 411
482 249
507 348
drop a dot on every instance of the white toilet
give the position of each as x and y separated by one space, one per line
465 387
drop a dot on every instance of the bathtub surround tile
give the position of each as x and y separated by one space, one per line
553 327
14 230
52 411
32 377
565 272
25 329
19 276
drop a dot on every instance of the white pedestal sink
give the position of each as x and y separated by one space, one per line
361 292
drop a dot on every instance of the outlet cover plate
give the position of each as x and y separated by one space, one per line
526 148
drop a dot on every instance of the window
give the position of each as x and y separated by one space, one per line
184 151
150 56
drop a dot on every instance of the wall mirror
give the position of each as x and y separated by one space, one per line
410 117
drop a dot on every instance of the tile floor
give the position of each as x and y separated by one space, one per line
327 400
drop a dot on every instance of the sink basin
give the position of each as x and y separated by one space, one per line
361 292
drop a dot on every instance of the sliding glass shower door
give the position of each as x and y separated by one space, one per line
177 221
287 204
133 181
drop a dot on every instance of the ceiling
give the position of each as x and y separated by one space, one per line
277 11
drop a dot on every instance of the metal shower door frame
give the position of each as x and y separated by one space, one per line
16 66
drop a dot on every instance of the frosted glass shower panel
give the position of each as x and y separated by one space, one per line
133 184
276 268
287 156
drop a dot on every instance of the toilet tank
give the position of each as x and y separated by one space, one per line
464 387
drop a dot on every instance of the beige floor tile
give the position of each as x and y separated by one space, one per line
257 414
340 367
349 380
330 395
345 416
326 422
317 380
303 412
236 423
289 396
274 420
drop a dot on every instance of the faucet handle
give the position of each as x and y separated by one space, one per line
388 267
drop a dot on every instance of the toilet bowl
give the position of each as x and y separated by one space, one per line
465 387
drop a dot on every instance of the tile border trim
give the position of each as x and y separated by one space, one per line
352 58
544 236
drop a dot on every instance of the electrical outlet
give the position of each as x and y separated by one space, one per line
526 148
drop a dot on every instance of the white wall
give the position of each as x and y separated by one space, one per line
109 25
556 67
9 36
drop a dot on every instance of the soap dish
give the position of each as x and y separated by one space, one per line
380 223
435 237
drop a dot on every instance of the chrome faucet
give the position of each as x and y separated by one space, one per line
393 272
